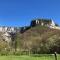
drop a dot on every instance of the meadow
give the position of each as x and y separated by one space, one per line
26 57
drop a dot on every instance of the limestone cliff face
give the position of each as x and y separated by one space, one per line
7 36
7 29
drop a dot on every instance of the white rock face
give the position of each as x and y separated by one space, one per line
37 21
52 23
42 24
7 37
1 28
53 26
6 32
7 29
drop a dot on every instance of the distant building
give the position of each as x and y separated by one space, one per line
42 22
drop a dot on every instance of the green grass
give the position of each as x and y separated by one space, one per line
24 57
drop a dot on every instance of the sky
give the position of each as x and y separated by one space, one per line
21 12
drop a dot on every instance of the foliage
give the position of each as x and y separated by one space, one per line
36 40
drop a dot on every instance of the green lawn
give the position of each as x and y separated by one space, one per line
28 57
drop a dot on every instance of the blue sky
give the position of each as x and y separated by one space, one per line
21 12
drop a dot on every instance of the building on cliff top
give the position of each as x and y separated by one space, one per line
42 22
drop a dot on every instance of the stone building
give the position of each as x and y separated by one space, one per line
42 22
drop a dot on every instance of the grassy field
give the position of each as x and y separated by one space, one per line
47 57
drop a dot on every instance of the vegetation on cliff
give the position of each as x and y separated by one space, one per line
36 40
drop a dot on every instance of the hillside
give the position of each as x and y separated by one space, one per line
40 31
37 39
41 38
